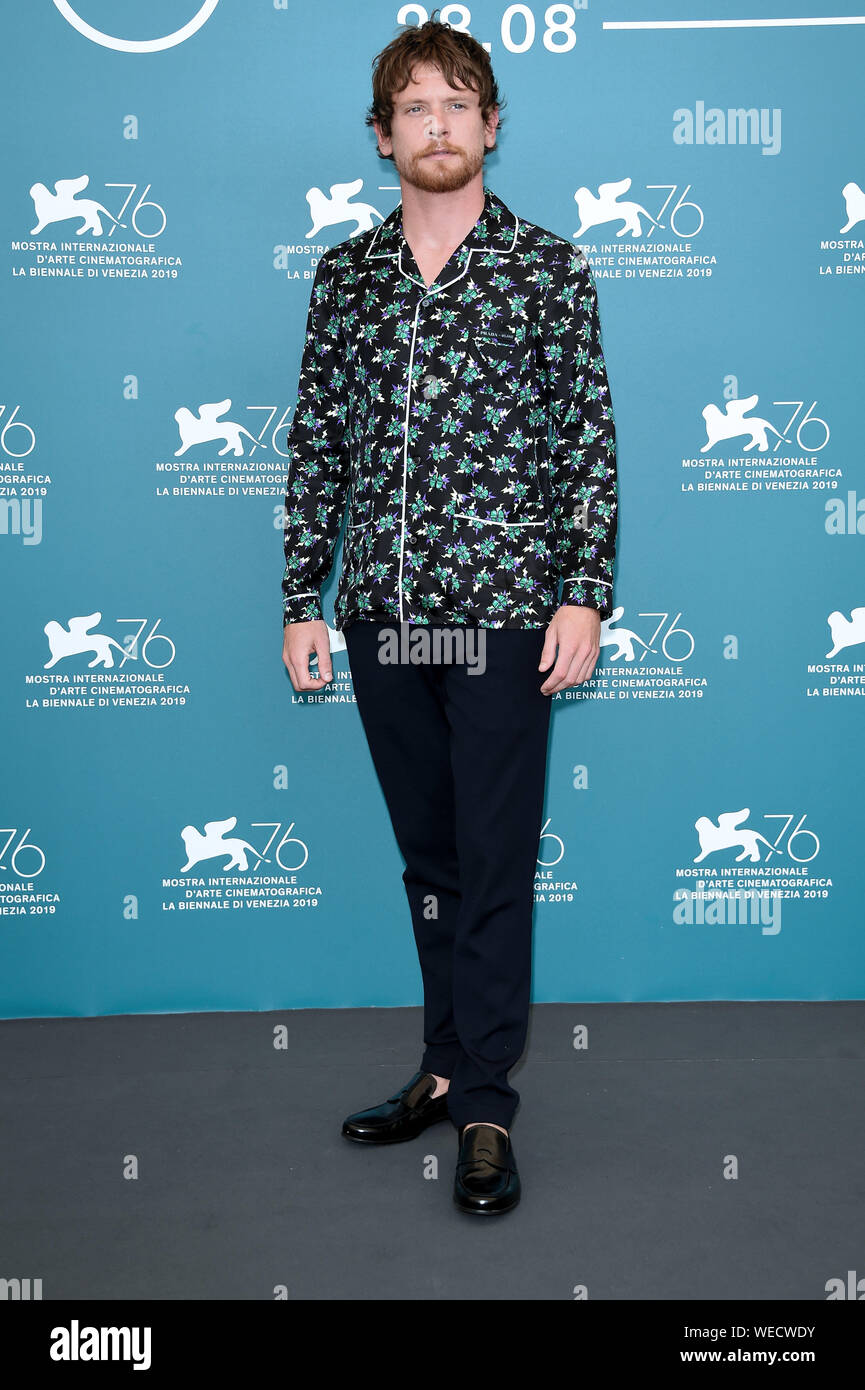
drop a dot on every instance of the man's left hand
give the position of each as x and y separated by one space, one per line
576 632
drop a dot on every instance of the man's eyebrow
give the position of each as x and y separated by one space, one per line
457 92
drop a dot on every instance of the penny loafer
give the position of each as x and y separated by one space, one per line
486 1179
402 1116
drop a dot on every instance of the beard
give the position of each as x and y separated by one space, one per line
440 175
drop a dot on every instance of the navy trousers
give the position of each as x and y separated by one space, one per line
461 759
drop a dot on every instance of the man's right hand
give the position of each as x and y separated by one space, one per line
299 643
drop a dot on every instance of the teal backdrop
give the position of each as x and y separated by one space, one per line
168 178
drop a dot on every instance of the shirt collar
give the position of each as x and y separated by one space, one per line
495 230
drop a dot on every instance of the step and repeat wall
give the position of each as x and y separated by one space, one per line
181 830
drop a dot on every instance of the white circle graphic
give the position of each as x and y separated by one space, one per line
137 45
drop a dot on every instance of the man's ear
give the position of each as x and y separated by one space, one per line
380 137
491 125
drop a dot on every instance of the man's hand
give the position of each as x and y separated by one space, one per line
299 643
576 631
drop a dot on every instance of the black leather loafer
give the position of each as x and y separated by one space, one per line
486 1178
401 1116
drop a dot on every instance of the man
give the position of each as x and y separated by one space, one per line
453 395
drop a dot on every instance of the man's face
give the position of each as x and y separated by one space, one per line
437 133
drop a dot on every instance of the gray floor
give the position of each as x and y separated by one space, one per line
245 1184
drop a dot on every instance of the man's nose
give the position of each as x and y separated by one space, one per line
437 126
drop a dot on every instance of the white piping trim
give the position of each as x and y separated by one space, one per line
406 275
307 593
379 255
586 580
514 242
405 452
488 521
388 255
472 251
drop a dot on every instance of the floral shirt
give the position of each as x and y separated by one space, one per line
466 427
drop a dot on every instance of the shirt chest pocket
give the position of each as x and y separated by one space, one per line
500 359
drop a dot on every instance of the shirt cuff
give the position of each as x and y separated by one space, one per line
301 608
588 593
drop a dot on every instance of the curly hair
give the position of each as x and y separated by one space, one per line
462 61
